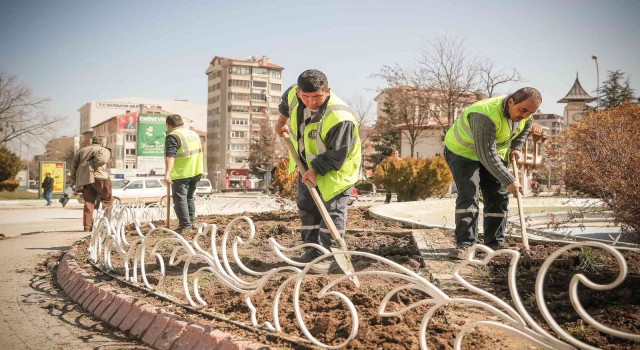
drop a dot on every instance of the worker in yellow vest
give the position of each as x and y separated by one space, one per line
183 169
477 147
324 132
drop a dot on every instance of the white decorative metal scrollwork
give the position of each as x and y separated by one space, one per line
109 237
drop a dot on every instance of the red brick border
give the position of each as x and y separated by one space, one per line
153 325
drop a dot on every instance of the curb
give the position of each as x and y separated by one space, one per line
152 325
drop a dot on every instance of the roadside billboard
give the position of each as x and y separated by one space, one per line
58 173
151 133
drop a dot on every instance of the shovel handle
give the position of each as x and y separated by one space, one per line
315 195
168 204
523 227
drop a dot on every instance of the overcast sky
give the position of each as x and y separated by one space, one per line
78 51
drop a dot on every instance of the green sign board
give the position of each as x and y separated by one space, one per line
151 133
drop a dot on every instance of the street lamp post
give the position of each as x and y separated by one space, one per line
595 58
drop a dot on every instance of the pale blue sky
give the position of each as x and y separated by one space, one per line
77 51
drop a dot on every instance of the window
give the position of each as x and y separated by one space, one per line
276 87
214 99
130 151
239 121
152 183
240 83
241 109
274 111
238 160
258 109
137 184
239 70
130 137
237 96
237 134
259 97
259 84
275 74
276 99
237 147
260 71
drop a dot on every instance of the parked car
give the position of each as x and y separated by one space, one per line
146 189
203 187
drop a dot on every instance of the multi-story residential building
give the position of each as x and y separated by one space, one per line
96 112
241 93
552 122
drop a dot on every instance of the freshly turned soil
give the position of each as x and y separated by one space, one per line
329 320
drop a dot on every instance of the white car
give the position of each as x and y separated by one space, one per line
204 187
139 189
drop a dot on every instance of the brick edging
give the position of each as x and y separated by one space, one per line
152 325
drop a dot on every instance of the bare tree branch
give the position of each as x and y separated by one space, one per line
21 114
446 66
491 77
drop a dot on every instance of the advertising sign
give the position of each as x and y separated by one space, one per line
128 122
151 132
58 173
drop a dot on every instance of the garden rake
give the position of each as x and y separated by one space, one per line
339 247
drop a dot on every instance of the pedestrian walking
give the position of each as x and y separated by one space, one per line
477 147
47 188
324 133
183 169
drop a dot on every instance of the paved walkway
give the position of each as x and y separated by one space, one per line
434 212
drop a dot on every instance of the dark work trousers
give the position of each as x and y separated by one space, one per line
183 202
470 176
314 229
100 189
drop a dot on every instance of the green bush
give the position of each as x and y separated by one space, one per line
10 164
413 179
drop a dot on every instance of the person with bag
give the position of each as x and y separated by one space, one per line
91 177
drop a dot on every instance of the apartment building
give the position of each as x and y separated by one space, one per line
553 122
241 93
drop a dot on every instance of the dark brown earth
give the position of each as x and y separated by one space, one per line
329 321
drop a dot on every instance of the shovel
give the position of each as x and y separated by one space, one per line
339 247
526 253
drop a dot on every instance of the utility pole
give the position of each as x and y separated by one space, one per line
595 58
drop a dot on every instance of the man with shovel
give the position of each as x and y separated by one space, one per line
477 148
324 134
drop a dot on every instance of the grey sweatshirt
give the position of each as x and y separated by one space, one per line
338 142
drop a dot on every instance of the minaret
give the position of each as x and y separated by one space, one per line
576 100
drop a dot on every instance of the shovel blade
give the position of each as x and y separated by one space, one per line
344 262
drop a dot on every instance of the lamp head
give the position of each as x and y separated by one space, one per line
594 57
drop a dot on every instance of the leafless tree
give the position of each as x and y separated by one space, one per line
362 110
491 77
265 149
21 114
447 67
408 101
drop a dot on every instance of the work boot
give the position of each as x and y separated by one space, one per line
497 245
460 253
308 255
183 230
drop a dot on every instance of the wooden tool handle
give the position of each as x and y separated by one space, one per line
168 204
523 226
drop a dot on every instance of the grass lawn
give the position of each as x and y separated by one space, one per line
18 194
